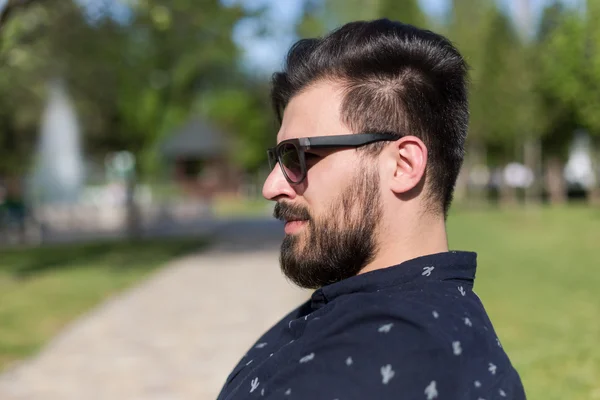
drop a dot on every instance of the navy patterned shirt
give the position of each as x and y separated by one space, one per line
411 331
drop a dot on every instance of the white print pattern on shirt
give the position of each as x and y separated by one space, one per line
307 358
385 328
254 384
349 361
262 391
427 271
249 362
387 373
290 324
492 369
498 342
431 391
502 393
261 345
456 348
288 392
435 314
468 322
271 355
462 291
477 384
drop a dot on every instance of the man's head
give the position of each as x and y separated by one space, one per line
366 77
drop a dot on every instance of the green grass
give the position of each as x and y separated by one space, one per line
539 278
43 289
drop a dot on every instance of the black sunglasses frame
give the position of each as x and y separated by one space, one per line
323 142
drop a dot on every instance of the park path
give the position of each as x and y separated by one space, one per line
175 336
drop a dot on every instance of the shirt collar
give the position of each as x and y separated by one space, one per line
456 265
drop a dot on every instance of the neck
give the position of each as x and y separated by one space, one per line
427 236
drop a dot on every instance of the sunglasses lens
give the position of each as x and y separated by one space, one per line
290 161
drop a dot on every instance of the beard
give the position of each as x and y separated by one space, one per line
338 244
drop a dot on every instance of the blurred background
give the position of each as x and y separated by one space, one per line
133 132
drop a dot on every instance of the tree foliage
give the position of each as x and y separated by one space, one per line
24 59
132 82
558 82
136 79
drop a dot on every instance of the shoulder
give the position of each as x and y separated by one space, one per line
378 323
410 344
378 354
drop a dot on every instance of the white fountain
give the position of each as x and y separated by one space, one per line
579 169
59 167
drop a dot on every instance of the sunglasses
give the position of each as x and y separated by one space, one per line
291 154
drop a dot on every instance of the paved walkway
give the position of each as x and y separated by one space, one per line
175 336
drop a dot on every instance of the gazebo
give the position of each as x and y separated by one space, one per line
198 156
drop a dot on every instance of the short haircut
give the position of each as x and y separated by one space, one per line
397 78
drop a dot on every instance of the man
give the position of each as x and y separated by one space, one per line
373 122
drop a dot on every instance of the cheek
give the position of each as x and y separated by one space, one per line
327 181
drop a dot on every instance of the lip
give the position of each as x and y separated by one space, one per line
292 227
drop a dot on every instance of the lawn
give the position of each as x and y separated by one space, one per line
539 278
43 289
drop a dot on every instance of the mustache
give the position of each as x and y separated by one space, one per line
290 212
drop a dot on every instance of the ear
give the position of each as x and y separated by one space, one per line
408 156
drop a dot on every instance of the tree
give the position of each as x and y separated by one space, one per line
589 102
407 11
559 84
145 77
24 57
10 8
320 17
468 27
131 82
505 108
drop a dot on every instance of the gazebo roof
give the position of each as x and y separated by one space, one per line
196 138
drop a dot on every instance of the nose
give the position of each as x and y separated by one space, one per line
277 186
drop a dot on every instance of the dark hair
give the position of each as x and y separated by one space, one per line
397 78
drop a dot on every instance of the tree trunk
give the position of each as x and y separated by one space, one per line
462 183
533 161
476 156
555 182
134 229
508 195
594 196
594 193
